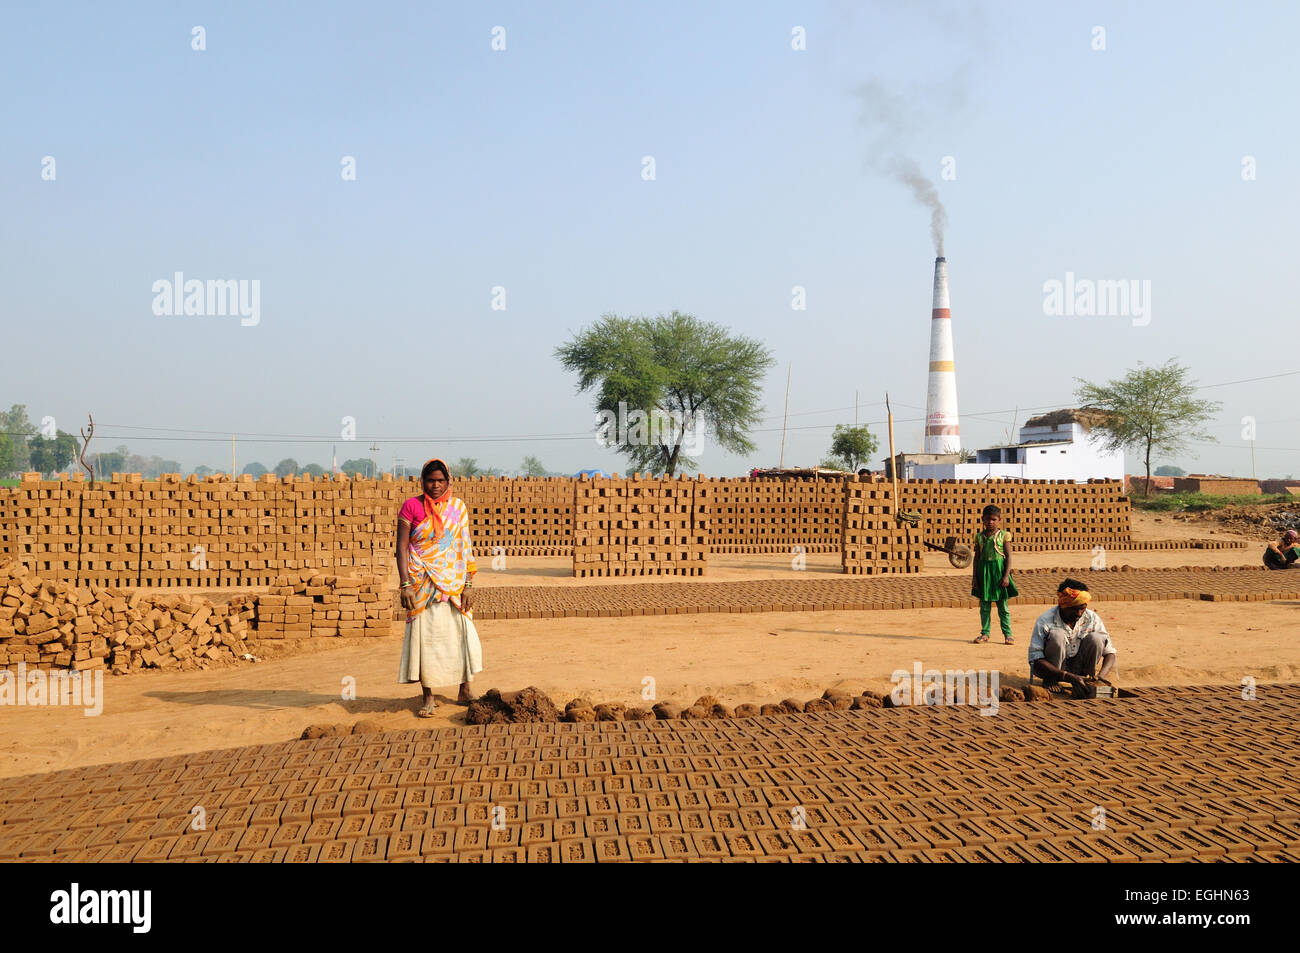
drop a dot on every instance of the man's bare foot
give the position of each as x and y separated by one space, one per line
466 697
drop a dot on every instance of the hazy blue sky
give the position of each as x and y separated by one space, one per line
522 168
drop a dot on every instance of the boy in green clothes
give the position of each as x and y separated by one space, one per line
991 574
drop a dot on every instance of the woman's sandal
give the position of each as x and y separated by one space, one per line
427 710
1007 640
982 639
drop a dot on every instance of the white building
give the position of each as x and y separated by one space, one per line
1055 446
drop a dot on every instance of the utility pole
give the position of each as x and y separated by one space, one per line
786 418
232 456
374 474
855 409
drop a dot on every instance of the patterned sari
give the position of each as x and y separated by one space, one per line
438 565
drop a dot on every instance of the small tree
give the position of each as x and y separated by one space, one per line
358 467
467 467
255 470
661 381
1170 471
1151 409
532 467
850 447
286 467
313 470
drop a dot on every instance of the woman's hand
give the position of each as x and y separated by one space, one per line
1006 579
466 600
408 598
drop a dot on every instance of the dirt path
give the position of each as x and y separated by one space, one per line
756 657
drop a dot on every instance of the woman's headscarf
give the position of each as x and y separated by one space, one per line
1291 536
434 508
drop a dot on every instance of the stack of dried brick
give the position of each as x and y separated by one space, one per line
312 605
874 540
50 624
640 526
1041 515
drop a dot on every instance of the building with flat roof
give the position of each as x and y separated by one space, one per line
1055 446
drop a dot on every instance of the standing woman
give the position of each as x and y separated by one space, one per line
435 560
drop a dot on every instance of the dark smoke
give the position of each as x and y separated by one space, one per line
885 116
906 170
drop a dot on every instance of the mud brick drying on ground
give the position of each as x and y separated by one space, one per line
49 624
313 605
642 526
1181 774
1037 587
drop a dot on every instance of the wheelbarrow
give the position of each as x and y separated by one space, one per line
959 554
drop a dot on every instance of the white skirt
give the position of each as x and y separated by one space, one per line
441 648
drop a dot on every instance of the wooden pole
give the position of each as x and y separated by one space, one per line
232 456
786 418
893 460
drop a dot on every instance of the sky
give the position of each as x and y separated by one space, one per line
1152 143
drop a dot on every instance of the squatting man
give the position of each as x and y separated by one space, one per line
1070 639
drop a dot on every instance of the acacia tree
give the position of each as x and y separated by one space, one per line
682 375
1151 409
850 447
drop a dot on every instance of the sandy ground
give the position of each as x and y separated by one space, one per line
739 658
757 658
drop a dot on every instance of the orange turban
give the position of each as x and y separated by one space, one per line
1069 598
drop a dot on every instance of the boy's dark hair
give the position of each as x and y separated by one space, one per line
990 510
1073 584
431 466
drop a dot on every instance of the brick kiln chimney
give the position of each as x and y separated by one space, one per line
942 433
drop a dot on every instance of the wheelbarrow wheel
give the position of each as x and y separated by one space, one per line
960 556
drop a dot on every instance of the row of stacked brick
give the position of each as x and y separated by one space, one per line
187 531
775 515
1041 515
313 605
641 526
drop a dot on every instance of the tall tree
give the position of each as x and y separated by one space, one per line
254 469
1151 410
662 382
1170 471
532 467
466 467
313 470
358 467
851 447
15 451
52 455
286 467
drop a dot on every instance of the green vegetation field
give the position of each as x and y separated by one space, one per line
1202 502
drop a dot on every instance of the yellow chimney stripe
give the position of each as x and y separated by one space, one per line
942 366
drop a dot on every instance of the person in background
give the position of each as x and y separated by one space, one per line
991 580
1283 554
435 560
1070 640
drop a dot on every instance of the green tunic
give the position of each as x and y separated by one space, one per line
990 563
